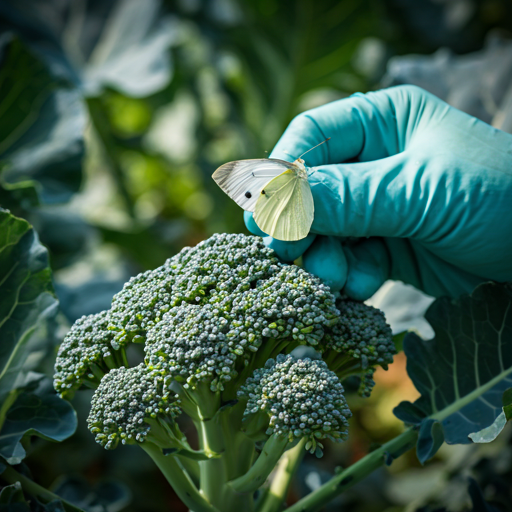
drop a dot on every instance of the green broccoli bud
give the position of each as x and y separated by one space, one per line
359 341
124 405
302 399
86 354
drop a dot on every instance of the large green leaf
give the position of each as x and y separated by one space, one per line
490 433
463 372
28 405
42 127
122 44
39 412
27 301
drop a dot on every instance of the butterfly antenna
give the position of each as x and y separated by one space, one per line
311 149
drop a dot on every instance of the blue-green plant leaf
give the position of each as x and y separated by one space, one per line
123 44
27 302
43 120
105 496
40 412
490 433
12 499
463 371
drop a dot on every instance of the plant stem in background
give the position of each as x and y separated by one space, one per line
101 126
286 469
11 476
355 473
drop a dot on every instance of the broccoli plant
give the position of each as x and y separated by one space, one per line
218 324
219 328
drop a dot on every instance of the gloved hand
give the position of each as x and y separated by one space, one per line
408 188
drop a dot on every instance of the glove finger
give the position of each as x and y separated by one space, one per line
368 268
364 126
251 225
367 199
326 259
289 251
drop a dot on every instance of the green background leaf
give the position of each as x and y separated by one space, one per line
27 300
463 372
123 44
29 404
43 120
490 433
40 413
12 499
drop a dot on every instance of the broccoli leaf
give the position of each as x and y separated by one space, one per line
12 499
463 371
490 433
121 44
41 413
105 496
43 120
27 300
27 405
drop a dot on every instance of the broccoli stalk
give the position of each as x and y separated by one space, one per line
219 323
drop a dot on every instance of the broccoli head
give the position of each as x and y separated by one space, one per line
219 323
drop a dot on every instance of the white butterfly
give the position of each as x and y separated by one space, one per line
277 191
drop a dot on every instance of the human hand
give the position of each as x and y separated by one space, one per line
408 188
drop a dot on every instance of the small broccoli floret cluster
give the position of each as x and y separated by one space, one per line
86 354
126 399
360 340
303 399
362 333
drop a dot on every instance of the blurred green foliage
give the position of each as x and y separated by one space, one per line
128 107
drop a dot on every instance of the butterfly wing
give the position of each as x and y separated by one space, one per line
285 208
243 180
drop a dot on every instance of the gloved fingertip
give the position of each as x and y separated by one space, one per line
368 268
362 284
326 259
251 225
289 251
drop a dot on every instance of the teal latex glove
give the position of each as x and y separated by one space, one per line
408 188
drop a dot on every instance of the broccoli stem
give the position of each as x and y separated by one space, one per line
179 480
264 465
191 467
286 469
341 482
222 435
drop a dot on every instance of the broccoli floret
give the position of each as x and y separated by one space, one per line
302 398
86 354
360 340
128 405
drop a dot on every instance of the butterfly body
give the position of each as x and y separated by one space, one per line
276 191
